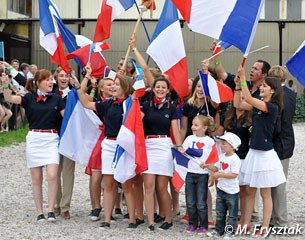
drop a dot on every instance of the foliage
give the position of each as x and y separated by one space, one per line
14 136
300 109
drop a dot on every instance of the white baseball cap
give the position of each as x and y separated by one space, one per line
232 139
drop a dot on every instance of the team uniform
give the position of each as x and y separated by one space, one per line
42 139
262 167
157 123
112 113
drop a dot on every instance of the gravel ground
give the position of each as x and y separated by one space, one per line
18 215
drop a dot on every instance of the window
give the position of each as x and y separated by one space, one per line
294 10
23 7
272 9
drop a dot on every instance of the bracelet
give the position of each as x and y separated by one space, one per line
134 49
10 68
243 84
6 87
237 89
217 63
92 92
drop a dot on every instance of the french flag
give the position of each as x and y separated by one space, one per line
79 132
219 46
97 59
109 73
216 90
139 85
181 162
170 55
50 37
296 64
130 157
109 10
232 21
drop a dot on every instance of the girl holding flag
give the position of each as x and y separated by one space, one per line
262 167
112 112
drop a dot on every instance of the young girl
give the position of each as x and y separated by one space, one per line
196 182
262 167
43 110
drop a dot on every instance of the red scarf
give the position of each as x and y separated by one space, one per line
118 101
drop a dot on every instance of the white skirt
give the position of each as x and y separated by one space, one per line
159 156
108 150
41 149
262 169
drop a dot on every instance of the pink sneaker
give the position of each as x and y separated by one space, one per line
190 229
202 231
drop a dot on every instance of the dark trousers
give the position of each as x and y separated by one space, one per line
197 193
226 202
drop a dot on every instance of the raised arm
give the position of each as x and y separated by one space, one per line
141 61
239 101
7 92
218 67
15 74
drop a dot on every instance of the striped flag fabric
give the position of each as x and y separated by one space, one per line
232 21
139 85
216 90
80 130
109 10
219 46
170 56
296 64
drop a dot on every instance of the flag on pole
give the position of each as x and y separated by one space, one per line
139 85
216 90
50 37
219 46
296 64
97 59
2 58
130 157
232 21
109 73
109 10
80 130
170 55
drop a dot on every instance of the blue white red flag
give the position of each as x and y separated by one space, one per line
296 64
216 90
80 130
219 46
139 85
232 21
97 59
130 157
109 10
109 73
170 55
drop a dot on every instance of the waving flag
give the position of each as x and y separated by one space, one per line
130 158
139 85
216 90
77 141
296 64
109 10
221 44
232 21
170 55
97 60
109 73
50 38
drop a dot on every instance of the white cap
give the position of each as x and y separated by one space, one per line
232 139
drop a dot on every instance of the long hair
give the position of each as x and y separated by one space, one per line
193 99
32 83
246 118
277 96
126 84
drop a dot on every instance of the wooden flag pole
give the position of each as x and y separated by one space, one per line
134 32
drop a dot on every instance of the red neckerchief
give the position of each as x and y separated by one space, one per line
41 97
158 101
118 101
61 93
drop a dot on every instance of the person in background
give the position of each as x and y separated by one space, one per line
292 87
284 144
66 168
43 110
24 69
32 72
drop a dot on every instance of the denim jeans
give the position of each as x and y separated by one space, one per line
226 202
196 186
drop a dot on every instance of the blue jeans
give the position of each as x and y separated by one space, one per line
196 187
226 202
